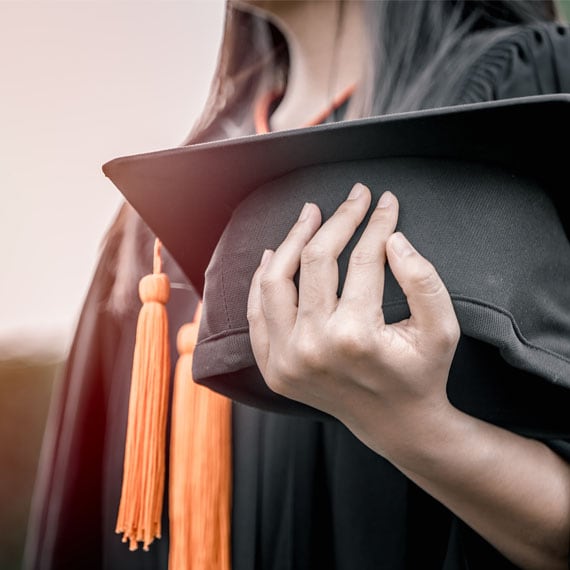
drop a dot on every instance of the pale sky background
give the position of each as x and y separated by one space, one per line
83 81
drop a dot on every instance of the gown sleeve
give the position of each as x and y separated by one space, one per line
64 526
535 60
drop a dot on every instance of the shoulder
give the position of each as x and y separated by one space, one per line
532 60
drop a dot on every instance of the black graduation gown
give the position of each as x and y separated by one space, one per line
306 494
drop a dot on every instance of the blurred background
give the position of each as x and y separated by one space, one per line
82 81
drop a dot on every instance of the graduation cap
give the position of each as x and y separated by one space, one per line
481 189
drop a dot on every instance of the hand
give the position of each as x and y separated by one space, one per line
386 383
338 354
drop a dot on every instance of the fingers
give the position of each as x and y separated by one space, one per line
277 288
318 282
430 305
258 333
364 283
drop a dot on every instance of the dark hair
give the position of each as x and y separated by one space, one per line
419 69
442 38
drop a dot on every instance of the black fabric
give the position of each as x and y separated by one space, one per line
499 243
315 498
508 253
307 494
560 446
533 61
359 486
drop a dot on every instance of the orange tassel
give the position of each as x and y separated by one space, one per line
200 467
140 509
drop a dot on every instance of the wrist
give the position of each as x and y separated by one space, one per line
422 439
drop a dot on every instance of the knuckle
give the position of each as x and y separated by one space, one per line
298 231
351 342
312 253
278 385
351 213
252 314
308 354
449 333
426 279
269 284
347 208
380 217
280 376
361 256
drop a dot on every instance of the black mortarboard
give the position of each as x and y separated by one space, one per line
481 190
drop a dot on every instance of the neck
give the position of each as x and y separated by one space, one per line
326 55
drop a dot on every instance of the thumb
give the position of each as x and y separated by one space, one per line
429 301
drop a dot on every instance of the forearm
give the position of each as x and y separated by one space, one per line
514 491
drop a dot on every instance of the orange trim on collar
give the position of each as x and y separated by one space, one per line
263 105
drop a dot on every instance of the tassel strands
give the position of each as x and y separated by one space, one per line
140 509
200 467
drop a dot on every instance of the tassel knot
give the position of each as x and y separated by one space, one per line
154 288
186 341
140 509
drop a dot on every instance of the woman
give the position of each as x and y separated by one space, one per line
306 494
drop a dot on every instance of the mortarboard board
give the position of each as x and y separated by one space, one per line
481 196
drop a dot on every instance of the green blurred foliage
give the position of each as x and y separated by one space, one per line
25 390
565 6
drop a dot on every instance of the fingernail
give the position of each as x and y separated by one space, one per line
355 192
401 245
385 200
305 212
265 257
